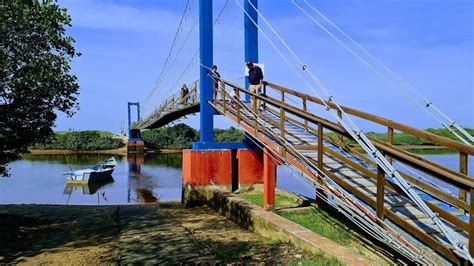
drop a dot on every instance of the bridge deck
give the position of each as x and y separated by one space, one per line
399 204
293 133
359 175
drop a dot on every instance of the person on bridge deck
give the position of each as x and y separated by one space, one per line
184 93
255 81
216 77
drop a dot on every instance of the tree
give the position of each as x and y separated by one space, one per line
35 78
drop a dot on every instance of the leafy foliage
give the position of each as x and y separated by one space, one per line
81 141
182 136
35 79
179 136
228 135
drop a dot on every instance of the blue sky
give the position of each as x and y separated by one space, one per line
125 43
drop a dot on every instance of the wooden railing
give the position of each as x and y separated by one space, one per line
174 101
302 117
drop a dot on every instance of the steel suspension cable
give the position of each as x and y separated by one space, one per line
175 39
353 211
365 143
427 104
191 60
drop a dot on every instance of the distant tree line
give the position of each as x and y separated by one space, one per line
182 136
407 139
80 141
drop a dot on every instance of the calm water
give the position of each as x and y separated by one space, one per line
38 179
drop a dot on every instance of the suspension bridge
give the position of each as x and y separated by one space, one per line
418 207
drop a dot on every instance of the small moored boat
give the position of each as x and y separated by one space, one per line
98 172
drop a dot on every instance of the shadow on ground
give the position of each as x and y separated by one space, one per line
152 234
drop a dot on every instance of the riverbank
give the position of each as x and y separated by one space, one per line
165 233
123 151
119 151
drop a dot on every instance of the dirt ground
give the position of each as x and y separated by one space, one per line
151 234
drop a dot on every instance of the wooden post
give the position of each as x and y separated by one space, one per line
282 127
471 224
269 180
305 109
214 96
341 137
390 141
223 98
264 93
380 192
320 194
254 107
238 113
320 146
463 170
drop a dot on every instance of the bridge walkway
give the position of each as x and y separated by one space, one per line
172 108
298 137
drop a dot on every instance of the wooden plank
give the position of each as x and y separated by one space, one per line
390 141
463 170
305 108
380 192
320 146
471 224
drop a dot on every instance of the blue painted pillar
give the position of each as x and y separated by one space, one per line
138 111
251 38
129 116
206 60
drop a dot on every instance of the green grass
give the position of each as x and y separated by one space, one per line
320 222
320 261
316 220
280 200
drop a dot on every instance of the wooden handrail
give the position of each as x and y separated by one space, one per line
382 211
436 139
388 213
438 171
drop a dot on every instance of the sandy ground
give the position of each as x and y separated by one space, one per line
152 234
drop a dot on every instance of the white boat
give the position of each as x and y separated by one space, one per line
98 172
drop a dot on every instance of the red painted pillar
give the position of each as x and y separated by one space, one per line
250 166
269 180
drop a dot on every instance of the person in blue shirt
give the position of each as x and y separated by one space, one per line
255 80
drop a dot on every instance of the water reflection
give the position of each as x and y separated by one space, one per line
136 179
142 184
87 189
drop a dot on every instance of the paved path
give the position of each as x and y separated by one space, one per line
158 233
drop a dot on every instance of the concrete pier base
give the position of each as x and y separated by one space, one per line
205 167
230 168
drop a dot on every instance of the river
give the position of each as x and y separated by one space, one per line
37 179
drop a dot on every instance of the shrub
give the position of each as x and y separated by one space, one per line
81 140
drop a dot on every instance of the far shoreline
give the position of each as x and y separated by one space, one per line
119 151
123 151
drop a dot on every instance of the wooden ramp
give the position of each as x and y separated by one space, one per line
442 189
286 127
172 109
